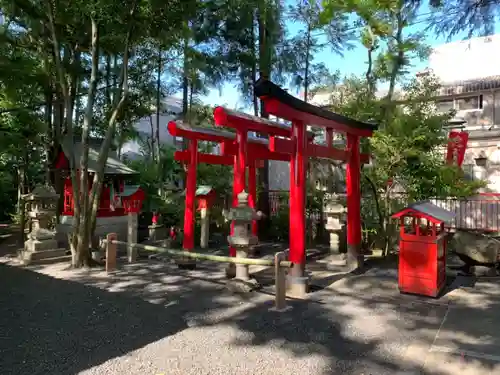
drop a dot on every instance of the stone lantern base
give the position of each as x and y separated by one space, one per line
41 247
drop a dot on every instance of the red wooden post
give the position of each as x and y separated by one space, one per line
241 140
232 250
329 138
355 258
252 192
297 203
189 212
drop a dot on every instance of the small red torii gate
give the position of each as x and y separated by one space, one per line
258 148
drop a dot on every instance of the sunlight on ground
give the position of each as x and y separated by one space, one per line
360 326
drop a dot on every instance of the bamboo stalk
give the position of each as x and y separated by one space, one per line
213 258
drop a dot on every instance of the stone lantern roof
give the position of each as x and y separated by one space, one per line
44 192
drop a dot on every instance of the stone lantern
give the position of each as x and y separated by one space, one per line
334 211
41 243
242 238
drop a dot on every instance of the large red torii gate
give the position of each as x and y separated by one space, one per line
243 151
280 103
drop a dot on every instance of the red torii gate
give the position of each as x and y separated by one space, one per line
296 149
230 156
278 102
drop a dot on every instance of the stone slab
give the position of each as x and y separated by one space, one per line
472 330
34 257
37 245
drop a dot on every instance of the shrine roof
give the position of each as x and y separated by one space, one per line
129 190
428 210
113 165
204 190
265 88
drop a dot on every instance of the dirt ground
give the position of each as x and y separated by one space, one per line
152 318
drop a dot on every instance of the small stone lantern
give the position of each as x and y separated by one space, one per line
242 238
334 211
41 242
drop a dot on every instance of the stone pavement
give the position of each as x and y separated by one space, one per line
151 318
467 338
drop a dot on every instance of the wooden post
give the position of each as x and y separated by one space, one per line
205 225
110 252
132 237
189 212
280 283
252 193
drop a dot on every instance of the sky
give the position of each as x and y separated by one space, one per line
352 62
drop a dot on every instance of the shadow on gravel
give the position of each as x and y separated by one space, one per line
53 326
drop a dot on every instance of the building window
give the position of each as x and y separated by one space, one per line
468 170
470 102
444 105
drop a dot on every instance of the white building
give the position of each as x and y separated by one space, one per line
146 127
470 74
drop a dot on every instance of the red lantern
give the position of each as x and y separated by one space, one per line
173 233
155 218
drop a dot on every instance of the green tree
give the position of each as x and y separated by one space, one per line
303 47
451 17
90 56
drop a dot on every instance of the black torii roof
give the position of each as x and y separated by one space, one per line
264 87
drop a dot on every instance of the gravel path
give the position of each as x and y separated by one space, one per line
154 319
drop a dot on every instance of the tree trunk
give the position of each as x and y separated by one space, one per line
107 90
63 118
151 147
158 112
49 141
264 71
255 101
20 183
308 54
185 92
82 250
95 193
398 61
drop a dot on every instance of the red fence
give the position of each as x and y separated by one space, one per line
481 213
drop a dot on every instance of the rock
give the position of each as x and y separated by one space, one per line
242 286
475 248
231 271
483 271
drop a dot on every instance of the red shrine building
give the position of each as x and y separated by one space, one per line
111 216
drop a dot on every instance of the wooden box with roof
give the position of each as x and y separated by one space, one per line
422 248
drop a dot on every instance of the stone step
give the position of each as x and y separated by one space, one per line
37 255
60 259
